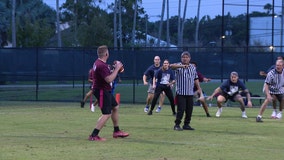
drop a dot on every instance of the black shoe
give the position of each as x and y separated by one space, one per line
208 115
177 128
82 104
187 127
258 119
150 112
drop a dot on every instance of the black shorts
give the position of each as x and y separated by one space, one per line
279 97
106 100
227 96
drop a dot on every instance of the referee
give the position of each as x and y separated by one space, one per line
186 78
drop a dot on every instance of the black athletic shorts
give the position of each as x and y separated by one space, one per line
106 100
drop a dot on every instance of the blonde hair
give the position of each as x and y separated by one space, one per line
102 50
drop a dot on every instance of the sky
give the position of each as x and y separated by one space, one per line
208 7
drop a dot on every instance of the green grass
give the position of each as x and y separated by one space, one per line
129 93
44 131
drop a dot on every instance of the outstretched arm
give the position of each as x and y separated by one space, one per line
176 66
217 90
262 73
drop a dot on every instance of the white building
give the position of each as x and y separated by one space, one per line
261 29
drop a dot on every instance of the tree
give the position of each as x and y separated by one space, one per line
268 7
161 22
14 42
32 22
58 29
4 24
89 24
127 12
197 25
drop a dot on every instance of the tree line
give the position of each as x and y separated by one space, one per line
123 23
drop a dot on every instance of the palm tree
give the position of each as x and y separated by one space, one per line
197 26
161 23
134 23
168 24
268 7
179 22
58 25
183 21
115 24
120 25
282 18
14 42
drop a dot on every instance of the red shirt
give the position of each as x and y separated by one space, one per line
101 71
91 72
200 77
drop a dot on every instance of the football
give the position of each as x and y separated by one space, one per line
121 69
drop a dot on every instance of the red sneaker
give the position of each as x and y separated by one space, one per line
96 138
120 134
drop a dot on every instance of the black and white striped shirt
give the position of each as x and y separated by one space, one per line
185 80
275 81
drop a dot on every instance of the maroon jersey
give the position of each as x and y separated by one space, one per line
200 77
101 70
91 73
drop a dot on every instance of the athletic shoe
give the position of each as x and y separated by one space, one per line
82 104
96 138
279 115
208 115
218 113
177 128
258 119
174 113
146 109
150 112
120 134
158 110
187 127
244 115
273 115
92 108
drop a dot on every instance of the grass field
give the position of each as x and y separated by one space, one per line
129 93
46 130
